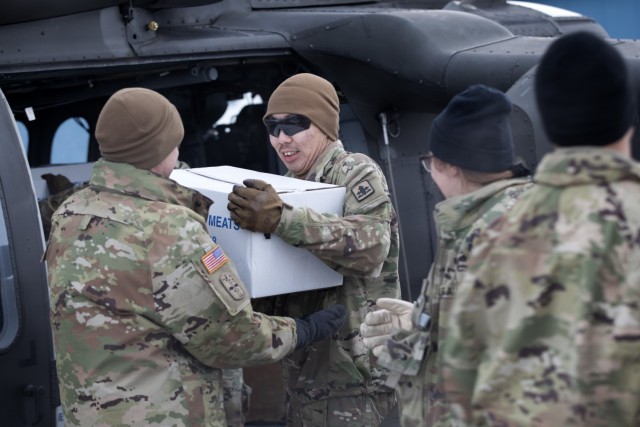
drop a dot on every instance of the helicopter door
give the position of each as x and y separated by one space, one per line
28 388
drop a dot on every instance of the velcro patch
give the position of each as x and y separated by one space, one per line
214 259
362 190
232 286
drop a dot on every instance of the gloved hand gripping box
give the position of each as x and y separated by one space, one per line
266 264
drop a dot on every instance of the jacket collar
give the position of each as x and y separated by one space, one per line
128 180
585 165
460 212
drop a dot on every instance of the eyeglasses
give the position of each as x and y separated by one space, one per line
425 161
290 125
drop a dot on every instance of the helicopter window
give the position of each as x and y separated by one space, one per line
234 107
71 142
238 138
8 306
24 135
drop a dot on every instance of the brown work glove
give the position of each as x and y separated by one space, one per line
256 207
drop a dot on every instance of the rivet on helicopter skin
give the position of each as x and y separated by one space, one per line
152 26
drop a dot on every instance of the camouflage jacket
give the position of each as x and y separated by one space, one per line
362 244
145 308
545 327
459 221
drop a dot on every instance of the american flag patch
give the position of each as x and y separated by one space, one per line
214 259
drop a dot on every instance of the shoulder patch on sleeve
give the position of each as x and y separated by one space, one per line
362 190
232 286
214 259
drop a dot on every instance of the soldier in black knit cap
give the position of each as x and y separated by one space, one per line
545 326
473 163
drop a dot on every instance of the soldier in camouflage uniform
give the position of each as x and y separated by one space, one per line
334 383
146 309
545 328
472 161
236 393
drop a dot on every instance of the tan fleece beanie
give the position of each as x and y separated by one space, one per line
311 96
138 126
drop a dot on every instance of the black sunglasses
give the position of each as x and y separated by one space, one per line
290 125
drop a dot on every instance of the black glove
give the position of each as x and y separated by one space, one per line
57 183
256 207
319 325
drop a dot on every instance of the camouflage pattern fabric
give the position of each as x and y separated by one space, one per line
545 327
236 395
346 411
60 187
459 221
363 246
145 309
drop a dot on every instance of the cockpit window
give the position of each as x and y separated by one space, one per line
71 142
8 303
238 138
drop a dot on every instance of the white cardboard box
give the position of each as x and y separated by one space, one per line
266 266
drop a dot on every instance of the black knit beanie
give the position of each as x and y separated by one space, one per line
473 132
584 92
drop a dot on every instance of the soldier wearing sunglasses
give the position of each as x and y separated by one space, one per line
334 383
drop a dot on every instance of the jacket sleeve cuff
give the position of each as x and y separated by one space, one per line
287 217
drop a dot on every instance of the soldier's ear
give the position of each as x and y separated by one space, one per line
455 171
445 168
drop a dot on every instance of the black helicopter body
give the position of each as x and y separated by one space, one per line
395 65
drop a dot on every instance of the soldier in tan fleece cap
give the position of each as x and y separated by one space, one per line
139 127
334 383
